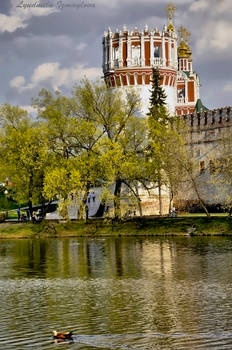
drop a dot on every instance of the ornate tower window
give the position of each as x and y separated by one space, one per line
136 52
157 52
181 95
157 55
115 56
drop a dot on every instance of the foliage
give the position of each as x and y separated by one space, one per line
3 216
23 154
118 142
92 138
158 96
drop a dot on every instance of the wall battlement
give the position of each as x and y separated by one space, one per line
212 119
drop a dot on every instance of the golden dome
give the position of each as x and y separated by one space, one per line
171 27
183 49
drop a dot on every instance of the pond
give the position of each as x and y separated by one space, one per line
117 293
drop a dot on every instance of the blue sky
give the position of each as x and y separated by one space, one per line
54 47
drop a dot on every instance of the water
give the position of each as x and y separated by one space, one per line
116 294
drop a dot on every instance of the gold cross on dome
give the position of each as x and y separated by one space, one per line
184 34
182 31
170 10
187 35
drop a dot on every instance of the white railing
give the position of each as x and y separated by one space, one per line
157 61
180 100
135 61
116 63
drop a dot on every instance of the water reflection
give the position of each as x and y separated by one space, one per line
119 293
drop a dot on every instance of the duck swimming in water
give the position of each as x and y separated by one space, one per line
63 335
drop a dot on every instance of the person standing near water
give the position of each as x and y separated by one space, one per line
86 212
18 214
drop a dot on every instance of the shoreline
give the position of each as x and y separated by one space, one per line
139 226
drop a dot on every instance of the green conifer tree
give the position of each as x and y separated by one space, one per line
157 110
158 95
157 123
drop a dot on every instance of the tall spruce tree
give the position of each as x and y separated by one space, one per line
157 109
157 123
158 95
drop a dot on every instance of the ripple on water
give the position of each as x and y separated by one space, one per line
157 295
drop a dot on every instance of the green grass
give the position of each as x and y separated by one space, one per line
202 215
154 226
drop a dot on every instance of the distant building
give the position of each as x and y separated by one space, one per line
129 56
128 59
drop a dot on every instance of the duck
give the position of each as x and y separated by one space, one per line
62 335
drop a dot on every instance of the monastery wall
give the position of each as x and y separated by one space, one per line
206 131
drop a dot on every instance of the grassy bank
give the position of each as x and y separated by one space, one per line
137 226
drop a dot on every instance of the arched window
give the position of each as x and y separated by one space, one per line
115 56
115 53
135 55
157 52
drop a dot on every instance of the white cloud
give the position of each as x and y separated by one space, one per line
10 23
217 36
199 5
44 72
28 108
20 16
213 23
81 46
17 82
228 87
51 73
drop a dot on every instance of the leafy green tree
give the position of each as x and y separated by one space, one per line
73 138
23 154
111 114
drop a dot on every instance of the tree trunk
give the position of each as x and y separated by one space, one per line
171 200
43 207
30 208
117 195
160 195
140 207
199 198
30 195
139 201
83 209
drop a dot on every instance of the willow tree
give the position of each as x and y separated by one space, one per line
72 142
112 114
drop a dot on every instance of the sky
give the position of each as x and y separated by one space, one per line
53 44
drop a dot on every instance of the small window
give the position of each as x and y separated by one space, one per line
135 55
202 167
115 53
89 200
94 199
157 51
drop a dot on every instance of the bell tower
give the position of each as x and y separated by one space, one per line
130 55
188 83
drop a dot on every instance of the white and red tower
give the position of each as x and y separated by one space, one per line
188 82
129 56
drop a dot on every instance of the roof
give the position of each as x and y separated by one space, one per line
199 107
